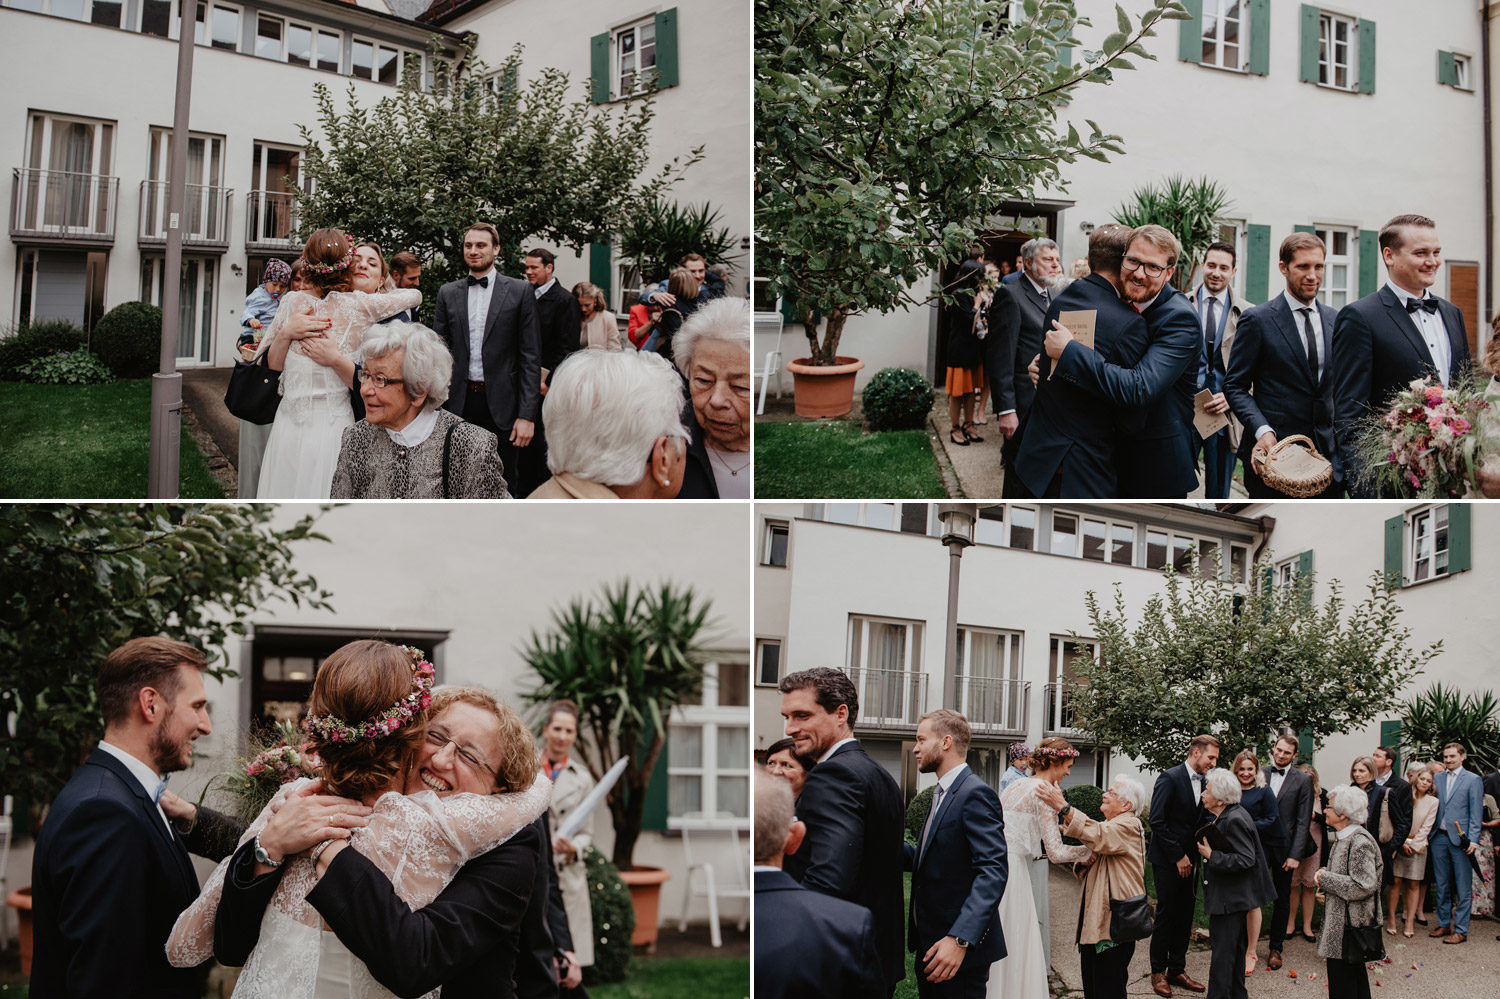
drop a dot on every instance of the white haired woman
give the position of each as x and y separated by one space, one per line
712 350
1238 879
1350 883
614 428
408 446
1118 872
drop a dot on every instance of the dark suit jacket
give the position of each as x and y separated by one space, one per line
108 881
544 929
511 348
1295 802
1176 813
999 347
558 320
1399 793
1029 336
1378 349
1269 382
1237 878
1071 430
853 848
958 878
811 946
1260 804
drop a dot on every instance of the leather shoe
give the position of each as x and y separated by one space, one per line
1438 931
1159 984
1274 961
1456 938
1181 978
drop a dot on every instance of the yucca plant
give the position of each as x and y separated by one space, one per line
627 658
1192 210
1440 715
662 232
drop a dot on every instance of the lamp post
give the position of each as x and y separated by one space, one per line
957 523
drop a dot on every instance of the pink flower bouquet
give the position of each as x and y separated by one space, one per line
1428 444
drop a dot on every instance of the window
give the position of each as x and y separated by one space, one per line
1156 550
195 307
1239 563
1023 528
1108 541
773 552
61 284
1285 573
156 17
885 663
1222 24
989 669
204 205
1461 75
1455 70
914 518
268 32
299 44
1060 670
767 662
1429 544
362 60
625 59
329 45
1064 534
66 186
708 752
1336 40
989 526
105 12
634 53
284 660
1339 266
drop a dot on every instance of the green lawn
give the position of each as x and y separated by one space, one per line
681 978
86 441
834 458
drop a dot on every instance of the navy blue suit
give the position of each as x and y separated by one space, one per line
1176 813
109 879
1269 383
1378 349
1067 448
811 946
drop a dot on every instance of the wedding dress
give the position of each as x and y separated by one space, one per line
418 840
303 449
1022 973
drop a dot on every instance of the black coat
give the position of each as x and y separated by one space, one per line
1399 793
964 348
1295 806
1176 813
1261 805
1237 877
811 946
511 349
698 480
559 323
1004 319
1029 336
544 929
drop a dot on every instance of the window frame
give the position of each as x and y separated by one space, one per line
1350 261
1463 72
767 543
616 88
779 644
1242 45
1410 559
1327 43
914 639
709 717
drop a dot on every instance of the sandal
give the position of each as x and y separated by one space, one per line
1407 933
973 437
957 436
1250 962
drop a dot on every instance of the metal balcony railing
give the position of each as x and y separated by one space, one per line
205 215
889 698
995 706
1060 720
58 206
271 221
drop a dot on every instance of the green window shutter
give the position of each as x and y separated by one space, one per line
1309 44
599 267
1305 746
1447 69
1366 56
1395 538
1267 579
654 809
666 48
1064 56
1304 570
1304 228
1390 735
1258 263
1460 531
599 68
1369 262
1190 33
1260 37
789 311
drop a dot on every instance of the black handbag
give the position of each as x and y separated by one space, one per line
1129 918
254 392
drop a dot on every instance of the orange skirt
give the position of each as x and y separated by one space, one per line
965 380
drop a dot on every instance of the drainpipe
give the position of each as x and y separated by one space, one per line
1489 176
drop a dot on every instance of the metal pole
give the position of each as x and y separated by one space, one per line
166 384
950 660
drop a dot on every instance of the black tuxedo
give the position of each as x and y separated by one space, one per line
1176 813
811 946
957 879
999 347
853 848
511 348
1068 445
1294 806
1378 349
559 323
1270 384
109 880
1237 880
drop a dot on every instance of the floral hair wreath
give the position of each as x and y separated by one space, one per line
343 264
331 729
1053 752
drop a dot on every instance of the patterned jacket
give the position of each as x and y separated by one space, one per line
1351 888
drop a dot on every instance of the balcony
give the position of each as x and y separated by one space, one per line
889 699
205 210
63 209
271 220
1059 720
994 706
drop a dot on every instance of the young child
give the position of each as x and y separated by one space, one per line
260 307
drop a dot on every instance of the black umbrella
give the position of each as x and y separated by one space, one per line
1463 843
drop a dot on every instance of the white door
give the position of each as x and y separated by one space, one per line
67 187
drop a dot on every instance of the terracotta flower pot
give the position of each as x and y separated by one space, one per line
20 900
645 895
823 390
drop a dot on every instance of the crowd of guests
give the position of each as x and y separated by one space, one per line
516 388
831 846
1111 411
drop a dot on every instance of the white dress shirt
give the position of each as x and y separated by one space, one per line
479 311
541 289
833 748
149 778
1318 346
1277 779
1430 325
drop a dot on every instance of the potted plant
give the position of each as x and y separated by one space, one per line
626 660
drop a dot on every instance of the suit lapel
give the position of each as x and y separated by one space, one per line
1398 316
497 297
1458 344
170 841
942 813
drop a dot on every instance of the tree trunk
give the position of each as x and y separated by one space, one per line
826 352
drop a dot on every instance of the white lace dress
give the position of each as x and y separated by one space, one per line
1022 973
419 841
303 448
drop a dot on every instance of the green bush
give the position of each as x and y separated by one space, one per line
1089 800
78 368
53 336
916 814
897 399
614 920
128 339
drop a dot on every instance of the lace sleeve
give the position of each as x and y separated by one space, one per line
292 303
1046 822
371 308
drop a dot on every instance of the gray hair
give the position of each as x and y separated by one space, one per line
773 813
1130 791
726 319
1223 785
426 366
1350 802
605 410
1031 247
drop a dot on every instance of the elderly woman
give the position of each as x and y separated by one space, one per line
784 761
600 330
408 446
1118 872
1351 889
614 428
1259 802
713 354
1238 879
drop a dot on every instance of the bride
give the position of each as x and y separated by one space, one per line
368 719
1030 830
316 376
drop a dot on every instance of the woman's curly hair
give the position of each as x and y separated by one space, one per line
357 682
519 762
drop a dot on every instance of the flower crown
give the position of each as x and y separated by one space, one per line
343 264
1053 752
331 729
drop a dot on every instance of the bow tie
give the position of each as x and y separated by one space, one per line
483 282
1414 304
160 787
1278 771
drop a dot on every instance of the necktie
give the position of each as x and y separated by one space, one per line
1046 298
937 799
483 282
1210 329
160 787
1424 304
1312 342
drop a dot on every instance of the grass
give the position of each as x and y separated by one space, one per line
681 978
86 441
833 458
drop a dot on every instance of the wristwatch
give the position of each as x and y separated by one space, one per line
262 857
962 942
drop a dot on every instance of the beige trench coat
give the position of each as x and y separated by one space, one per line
1119 872
573 784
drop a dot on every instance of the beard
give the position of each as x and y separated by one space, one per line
167 752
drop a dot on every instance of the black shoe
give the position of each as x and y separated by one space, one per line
1421 920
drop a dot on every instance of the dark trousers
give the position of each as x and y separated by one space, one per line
531 462
969 983
1283 880
1227 940
1105 975
1174 918
477 412
1218 463
1348 980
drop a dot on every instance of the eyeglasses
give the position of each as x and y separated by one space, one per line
379 381
1136 263
439 739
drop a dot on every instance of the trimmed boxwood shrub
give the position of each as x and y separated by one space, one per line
897 399
54 336
77 368
1089 800
916 814
128 339
614 920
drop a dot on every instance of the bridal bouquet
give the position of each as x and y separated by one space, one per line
1429 444
271 763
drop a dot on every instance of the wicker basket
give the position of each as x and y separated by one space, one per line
1294 466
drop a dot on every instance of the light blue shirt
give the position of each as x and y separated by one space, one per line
148 778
